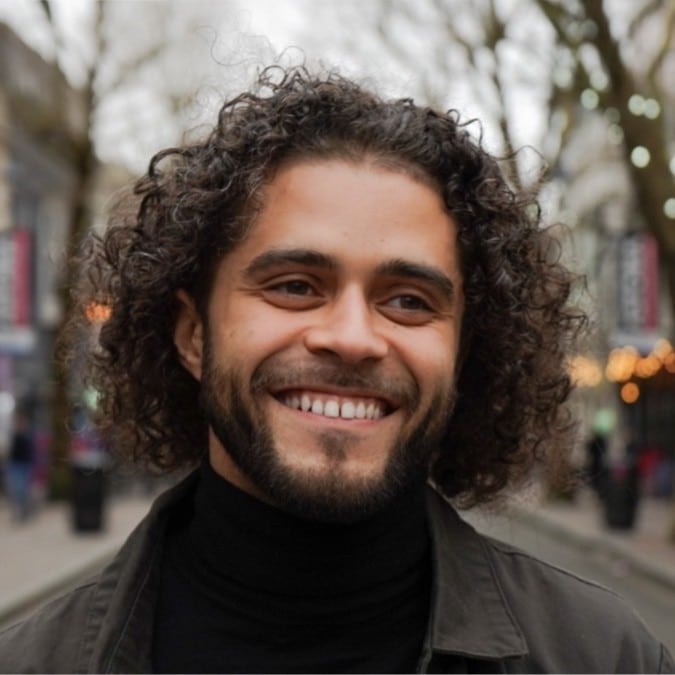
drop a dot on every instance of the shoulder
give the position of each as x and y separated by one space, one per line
569 620
557 621
50 640
71 633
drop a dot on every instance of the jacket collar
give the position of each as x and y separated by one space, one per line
469 614
468 617
118 637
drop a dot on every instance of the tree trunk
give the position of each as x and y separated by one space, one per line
61 401
653 183
83 160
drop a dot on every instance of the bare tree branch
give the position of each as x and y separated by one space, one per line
560 103
558 17
57 38
47 7
647 10
132 66
663 49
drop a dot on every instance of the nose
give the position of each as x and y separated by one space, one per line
346 327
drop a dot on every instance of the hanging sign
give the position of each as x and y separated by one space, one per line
638 284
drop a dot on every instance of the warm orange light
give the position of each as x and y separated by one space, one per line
669 363
584 371
630 392
662 349
97 312
648 366
621 364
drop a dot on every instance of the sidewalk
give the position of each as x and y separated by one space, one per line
645 548
45 555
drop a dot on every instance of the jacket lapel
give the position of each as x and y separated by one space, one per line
120 623
469 614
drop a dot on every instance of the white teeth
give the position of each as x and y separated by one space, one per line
331 409
348 410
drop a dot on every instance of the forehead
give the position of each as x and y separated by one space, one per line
357 212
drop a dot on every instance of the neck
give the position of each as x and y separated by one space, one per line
222 464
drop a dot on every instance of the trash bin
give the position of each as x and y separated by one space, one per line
621 496
88 496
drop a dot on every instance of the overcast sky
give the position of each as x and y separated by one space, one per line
129 130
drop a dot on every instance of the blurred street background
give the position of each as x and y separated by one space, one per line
584 90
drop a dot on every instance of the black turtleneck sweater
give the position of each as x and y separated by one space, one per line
248 588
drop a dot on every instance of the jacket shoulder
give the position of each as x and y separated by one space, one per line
50 640
557 609
81 631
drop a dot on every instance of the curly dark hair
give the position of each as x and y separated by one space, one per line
194 205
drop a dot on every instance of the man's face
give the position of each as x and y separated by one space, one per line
327 362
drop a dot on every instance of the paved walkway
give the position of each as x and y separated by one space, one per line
45 555
646 547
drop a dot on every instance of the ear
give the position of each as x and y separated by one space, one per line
188 335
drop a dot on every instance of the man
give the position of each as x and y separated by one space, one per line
338 309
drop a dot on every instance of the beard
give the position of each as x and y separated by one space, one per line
327 495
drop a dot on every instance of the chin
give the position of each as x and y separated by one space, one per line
338 491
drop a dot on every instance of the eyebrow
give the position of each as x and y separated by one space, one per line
285 256
392 268
420 272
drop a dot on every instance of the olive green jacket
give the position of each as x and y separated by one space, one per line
494 609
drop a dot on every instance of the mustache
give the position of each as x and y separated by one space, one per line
272 373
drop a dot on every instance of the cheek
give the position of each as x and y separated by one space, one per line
258 323
438 373
245 343
432 358
239 333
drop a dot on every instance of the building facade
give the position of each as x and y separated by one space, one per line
37 180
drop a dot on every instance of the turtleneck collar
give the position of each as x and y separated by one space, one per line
235 535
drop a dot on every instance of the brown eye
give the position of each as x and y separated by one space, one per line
295 287
293 294
409 302
408 309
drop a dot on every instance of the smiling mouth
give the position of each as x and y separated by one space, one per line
330 405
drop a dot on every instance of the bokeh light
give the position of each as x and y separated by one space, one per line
636 104
640 156
585 371
590 99
630 392
669 208
652 109
97 312
621 364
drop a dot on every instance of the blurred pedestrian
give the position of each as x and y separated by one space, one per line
597 468
622 491
20 462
